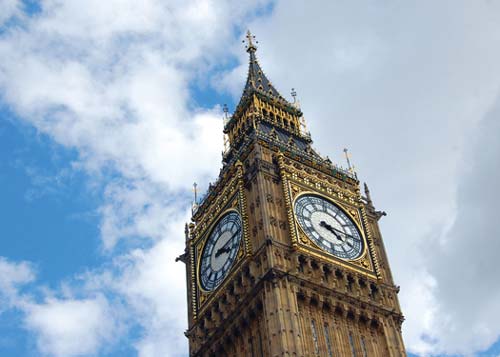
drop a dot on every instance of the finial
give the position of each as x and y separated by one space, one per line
295 103
351 167
225 110
346 152
194 206
195 190
250 46
367 194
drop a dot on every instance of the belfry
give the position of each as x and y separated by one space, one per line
284 256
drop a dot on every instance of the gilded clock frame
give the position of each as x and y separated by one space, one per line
355 220
297 178
231 198
204 242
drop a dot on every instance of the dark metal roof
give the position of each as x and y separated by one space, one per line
286 138
257 80
257 83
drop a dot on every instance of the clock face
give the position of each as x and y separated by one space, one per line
328 226
220 251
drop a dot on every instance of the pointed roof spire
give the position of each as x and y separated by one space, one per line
258 85
257 80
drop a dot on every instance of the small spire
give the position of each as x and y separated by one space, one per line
251 46
226 117
195 190
346 152
294 95
367 194
296 103
256 80
350 167
194 206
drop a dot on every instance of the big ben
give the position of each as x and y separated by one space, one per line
284 256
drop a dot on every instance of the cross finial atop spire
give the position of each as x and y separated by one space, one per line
251 46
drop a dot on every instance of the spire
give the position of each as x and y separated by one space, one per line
367 194
262 107
257 80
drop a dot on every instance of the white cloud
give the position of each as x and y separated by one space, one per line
404 84
88 315
417 295
152 287
97 81
12 278
10 8
71 327
113 84
464 259
62 326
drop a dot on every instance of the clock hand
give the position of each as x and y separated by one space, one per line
222 250
344 233
225 248
231 239
331 229
334 231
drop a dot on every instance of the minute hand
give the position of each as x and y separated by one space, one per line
344 233
335 230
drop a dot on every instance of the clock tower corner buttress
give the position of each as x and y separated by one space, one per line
284 254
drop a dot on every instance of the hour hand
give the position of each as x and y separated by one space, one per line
331 229
225 249
326 225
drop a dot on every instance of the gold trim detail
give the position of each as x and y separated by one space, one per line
349 214
299 179
232 198
212 212
193 280
202 247
370 242
287 199
243 208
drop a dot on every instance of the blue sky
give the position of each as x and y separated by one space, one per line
109 112
39 188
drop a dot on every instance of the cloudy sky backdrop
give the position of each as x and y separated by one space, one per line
109 110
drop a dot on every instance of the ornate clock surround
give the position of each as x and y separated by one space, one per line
297 180
231 198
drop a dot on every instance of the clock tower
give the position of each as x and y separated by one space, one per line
284 256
